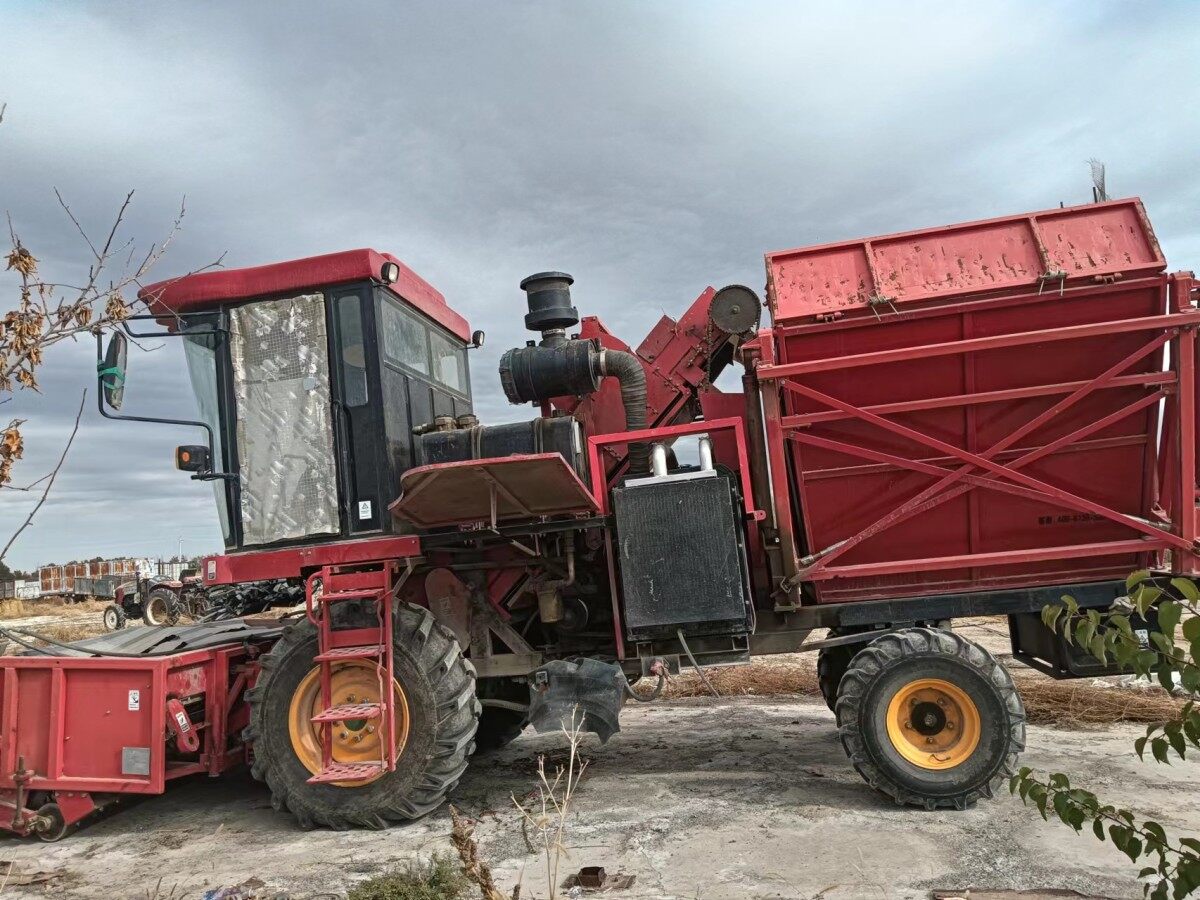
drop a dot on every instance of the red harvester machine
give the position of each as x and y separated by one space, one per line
960 421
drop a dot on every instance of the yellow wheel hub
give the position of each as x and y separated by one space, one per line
354 740
933 724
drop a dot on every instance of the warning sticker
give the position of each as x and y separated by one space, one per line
135 701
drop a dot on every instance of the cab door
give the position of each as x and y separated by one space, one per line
279 352
358 413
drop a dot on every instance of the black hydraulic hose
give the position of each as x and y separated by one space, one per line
695 665
654 695
628 371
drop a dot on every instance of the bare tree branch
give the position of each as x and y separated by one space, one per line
50 483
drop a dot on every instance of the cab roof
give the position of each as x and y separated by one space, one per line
210 290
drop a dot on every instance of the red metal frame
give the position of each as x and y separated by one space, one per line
295 562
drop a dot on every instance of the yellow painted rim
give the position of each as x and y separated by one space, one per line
354 740
933 724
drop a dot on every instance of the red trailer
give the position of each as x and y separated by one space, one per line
966 420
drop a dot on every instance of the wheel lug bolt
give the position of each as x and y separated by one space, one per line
357 738
941 701
370 729
908 725
929 740
949 726
344 735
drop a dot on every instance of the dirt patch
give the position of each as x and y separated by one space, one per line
721 800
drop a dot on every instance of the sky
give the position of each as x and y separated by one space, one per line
648 148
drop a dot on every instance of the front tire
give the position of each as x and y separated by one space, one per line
930 718
442 713
114 618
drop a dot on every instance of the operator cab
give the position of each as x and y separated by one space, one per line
310 377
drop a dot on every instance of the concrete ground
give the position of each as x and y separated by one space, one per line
696 798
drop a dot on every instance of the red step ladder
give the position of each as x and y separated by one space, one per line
323 590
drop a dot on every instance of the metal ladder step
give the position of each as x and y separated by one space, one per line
344 771
349 711
339 654
355 594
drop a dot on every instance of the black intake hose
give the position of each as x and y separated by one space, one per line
632 377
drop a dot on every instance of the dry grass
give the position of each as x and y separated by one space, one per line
20 609
64 634
1072 704
1065 704
790 677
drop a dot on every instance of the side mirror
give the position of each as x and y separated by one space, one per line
192 458
477 337
112 370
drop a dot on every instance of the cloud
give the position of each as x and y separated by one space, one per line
648 149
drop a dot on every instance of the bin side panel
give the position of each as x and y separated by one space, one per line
32 721
107 710
840 494
1005 255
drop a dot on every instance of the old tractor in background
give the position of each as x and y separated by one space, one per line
967 420
157 600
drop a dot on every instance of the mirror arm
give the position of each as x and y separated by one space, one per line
199 476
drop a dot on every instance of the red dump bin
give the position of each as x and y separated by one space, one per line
978 406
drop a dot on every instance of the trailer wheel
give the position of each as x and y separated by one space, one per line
930 718
832 663
161 608
434 687
114 617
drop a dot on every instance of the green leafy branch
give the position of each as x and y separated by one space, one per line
1122 635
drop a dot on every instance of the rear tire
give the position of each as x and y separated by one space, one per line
161 608
443 713
832 663
930 718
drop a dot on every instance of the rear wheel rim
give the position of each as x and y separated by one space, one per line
156 610
933 724
354 740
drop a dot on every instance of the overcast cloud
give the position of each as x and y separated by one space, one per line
648 148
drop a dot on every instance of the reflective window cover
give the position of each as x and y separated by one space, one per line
285 439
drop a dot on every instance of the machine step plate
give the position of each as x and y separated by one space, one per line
339 654
340 771
358 594
349 711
